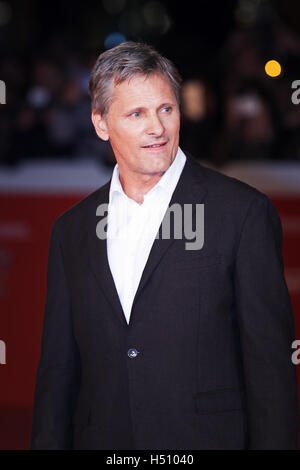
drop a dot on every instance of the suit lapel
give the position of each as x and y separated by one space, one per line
98 258
189 190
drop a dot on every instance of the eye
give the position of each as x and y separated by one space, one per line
135 114
167 109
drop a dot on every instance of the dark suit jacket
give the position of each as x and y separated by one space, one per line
213 329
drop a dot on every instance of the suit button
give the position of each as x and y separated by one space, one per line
132 353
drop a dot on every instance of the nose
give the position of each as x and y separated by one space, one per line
155 126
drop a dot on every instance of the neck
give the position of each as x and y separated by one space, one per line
136 186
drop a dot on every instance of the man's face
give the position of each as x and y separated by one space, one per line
143 113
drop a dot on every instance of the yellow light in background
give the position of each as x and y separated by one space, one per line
273 68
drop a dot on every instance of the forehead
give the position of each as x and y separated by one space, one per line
143 90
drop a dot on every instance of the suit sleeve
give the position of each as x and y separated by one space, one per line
266 327
58 372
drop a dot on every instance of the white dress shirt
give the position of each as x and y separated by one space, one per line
132 228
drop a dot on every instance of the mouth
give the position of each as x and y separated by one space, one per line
155 146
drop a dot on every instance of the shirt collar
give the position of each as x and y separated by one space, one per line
170 176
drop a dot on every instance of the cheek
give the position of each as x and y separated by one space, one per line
173 122
122 137
174 128
130 132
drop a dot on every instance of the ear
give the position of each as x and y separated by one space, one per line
100 125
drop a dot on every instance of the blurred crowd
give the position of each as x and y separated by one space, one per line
48 109
247 115
238 114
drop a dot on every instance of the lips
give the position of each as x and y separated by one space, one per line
154 146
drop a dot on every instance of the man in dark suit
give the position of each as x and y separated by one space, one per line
149 341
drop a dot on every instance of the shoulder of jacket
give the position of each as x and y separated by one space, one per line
228 187
80 208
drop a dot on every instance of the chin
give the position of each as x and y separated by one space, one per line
161 166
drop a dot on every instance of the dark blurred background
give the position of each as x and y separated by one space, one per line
231 109
235 118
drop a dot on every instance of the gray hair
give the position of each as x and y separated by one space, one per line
122 63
